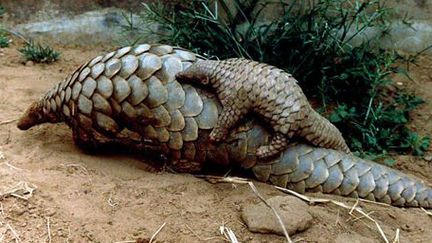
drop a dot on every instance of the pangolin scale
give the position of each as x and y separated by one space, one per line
131 97
245 86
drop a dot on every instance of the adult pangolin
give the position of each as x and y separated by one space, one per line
245 86
130 97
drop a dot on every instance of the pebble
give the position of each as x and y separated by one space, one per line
294 213
50 212
29 63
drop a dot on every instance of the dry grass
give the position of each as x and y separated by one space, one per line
239 180
8 121
353 208
22 190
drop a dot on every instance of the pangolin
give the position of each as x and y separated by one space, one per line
245 86
130 97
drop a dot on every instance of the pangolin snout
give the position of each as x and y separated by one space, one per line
32 116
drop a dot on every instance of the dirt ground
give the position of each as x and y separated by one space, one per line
119 198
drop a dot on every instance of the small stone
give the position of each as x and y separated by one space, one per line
50 212
29 63
260 218
428 157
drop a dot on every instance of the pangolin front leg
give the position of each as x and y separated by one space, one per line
235 107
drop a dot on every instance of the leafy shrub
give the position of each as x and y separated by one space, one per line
38 53
2 10
351 84
4 40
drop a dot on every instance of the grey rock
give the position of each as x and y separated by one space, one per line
294 213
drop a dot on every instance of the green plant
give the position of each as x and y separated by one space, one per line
36 52
2 10
130 33
313 40
4 40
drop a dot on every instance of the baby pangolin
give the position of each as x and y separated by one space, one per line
245 86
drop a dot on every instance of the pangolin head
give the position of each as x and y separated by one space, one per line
32 116
194 74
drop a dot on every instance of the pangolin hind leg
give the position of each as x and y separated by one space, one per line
278 143
235 107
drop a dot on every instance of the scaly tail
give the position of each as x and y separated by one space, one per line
322 133
304 168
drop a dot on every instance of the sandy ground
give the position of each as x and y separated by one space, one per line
118 197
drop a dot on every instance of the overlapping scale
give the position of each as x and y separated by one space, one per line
112 67
121 89
140 49
161 50
176 101
208 117
193 104
148 64
185 55
171 65
139 90
158 93
129 64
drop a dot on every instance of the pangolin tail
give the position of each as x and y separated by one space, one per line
304 168
322 133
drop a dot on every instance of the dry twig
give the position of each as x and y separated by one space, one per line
255 190
239 180
219 179
11 166
49 229
14 233
427 212
228 233
111 202
397 236
8 121
340 204
373 202
157 232
22 190
354 219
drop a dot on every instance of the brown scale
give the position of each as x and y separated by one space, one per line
245 86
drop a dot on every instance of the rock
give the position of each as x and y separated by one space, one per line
29 63
260 218
99 26
428 157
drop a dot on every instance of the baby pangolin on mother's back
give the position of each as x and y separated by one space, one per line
244 86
